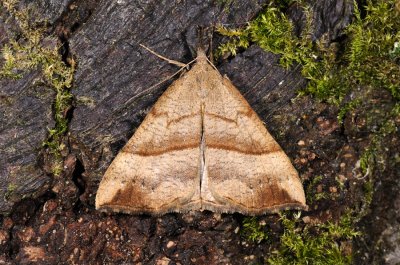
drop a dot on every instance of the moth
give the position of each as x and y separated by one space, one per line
201 147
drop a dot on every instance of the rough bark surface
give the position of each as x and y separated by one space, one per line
25 116
53 221
47 10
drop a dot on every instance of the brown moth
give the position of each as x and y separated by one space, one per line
201 147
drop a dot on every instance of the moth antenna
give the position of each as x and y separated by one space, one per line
182 65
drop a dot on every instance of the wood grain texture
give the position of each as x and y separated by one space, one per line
201 147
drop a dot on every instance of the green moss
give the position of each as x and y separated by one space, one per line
373 155
314 244
372 50
346 108
367 160
312 195
369 58
368 192
28 53
300 243
10 190
254 230
271 31
373 158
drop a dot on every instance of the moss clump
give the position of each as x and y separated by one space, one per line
314 244
309 243
271 31
30 52
372 57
